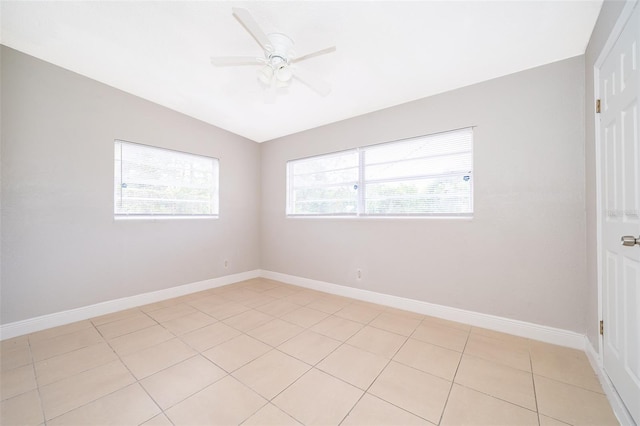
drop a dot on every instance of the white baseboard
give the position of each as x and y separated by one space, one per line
31 325
542 333
619 409
505 325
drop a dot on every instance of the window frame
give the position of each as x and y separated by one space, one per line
153 216
362 182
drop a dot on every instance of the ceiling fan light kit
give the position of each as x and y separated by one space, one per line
276 66
278 52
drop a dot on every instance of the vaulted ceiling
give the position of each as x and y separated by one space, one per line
388 52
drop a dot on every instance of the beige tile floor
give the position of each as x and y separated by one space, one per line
265 353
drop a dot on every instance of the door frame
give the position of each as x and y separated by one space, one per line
615 400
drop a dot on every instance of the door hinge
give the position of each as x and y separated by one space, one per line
601 328
597 106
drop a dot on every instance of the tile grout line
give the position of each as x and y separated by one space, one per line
276 348
93 368
137 381
118 356
35 375
533 382
453 379
197 353
312 367
494 396
200 353
366 391
83 371
39 387
571 384
230 373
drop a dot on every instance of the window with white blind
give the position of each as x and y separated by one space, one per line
159 182
424 176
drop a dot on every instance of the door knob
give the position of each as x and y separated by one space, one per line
630 240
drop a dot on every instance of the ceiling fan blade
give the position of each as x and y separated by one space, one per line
252 27
225 61
314 54
314 82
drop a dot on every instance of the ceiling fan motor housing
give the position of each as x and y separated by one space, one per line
281 50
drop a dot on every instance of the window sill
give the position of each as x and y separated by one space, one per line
437 217
155 218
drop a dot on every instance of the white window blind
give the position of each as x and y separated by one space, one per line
424 176
152 181
324 185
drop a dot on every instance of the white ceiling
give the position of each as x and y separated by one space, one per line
388 52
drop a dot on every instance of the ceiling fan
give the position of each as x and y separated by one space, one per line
277 63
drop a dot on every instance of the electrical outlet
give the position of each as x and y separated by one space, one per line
359 274
226 263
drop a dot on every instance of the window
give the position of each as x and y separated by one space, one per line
153 181
423 176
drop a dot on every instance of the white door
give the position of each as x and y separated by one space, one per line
620 201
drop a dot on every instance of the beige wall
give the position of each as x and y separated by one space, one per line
61 247
606 20
528 254
523 254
